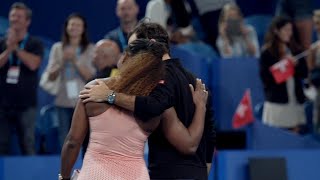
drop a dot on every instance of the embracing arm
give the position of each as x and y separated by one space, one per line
186 140
97 91
144 107
74 139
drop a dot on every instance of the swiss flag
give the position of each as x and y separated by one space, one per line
244 113
282 70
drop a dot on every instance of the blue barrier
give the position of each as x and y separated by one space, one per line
229 80
261 23
262 137
228 165
31 168
36 167
199 66
301 164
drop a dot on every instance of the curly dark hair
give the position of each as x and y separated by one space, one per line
149 30
142 70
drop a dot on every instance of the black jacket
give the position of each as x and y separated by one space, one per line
165 162
278 92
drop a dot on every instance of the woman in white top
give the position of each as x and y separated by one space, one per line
70 60
236 39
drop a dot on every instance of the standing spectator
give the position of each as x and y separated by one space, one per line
236 39
70 60
283 106
301 13
314 66
209 11
174 16
127 12
159 12
20 59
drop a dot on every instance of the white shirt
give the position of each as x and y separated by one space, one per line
205 6
158 12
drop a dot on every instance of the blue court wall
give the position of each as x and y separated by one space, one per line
301 164
48 16
227 165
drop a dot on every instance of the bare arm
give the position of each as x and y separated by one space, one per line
98 92
311 58
250 39
144 107
4 56
11 45
75 137
223 41
250 46
186 140
83 71
32 61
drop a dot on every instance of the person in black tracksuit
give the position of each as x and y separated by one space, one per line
165 161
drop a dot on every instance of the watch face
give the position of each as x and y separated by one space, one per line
111 98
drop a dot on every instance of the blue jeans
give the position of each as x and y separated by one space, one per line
23 120
65 117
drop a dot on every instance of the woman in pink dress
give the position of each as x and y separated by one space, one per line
117 138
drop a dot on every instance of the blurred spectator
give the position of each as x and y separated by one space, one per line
105 59
301 13
314 59
70 60
209 11
173 15
159 12
127 12
20 59
236 39
283 106
315 52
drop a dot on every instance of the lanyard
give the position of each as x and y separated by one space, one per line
122 39
70 72
21 46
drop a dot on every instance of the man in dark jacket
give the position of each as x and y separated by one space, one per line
165 161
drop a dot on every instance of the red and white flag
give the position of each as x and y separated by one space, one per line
282 70
244 112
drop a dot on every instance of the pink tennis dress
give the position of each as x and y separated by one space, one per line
116 148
